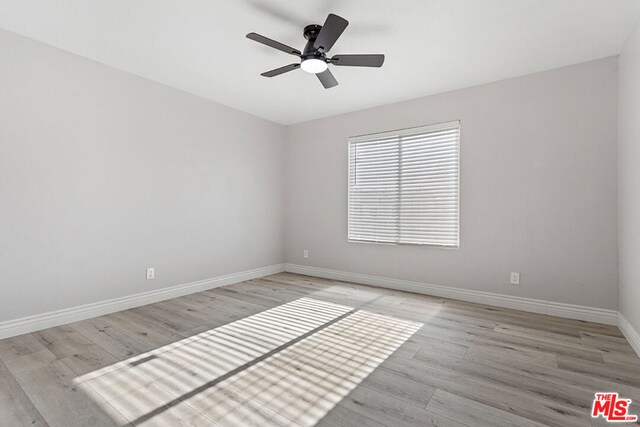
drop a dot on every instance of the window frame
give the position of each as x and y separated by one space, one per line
401 133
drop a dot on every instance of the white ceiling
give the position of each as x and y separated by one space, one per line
431 46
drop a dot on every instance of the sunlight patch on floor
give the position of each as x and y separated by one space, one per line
233 375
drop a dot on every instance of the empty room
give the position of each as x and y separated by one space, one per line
320 213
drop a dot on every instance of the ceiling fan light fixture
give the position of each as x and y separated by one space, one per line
313 59
313 65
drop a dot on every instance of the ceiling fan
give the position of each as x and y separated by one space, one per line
313 59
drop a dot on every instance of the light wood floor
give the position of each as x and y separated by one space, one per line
297 350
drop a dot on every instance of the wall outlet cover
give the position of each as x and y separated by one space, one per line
515 278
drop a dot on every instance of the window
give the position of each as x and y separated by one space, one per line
404 186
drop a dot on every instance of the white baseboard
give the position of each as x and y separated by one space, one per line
60 317
630 333
68 315
570 311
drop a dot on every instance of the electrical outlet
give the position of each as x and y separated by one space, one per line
305 253
515 278
151 273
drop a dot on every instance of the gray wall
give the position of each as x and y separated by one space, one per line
538 188
103 174
629 179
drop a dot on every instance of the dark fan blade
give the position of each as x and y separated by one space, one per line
331 30
327 79
358 60
274 44
281 70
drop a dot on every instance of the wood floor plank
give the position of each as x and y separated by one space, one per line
624 359
50 385
588 383
137 405
399 387
81 354
546 324
626 374
472 413
519 402
392 412
572 338
142 328
606 343
469 338
101 332
522 318
439 345
507 354
233 293
509 380
16 408
168 316
343 417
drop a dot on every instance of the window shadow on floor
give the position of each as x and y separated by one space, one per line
290 363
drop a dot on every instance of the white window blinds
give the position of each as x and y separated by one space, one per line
404 186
